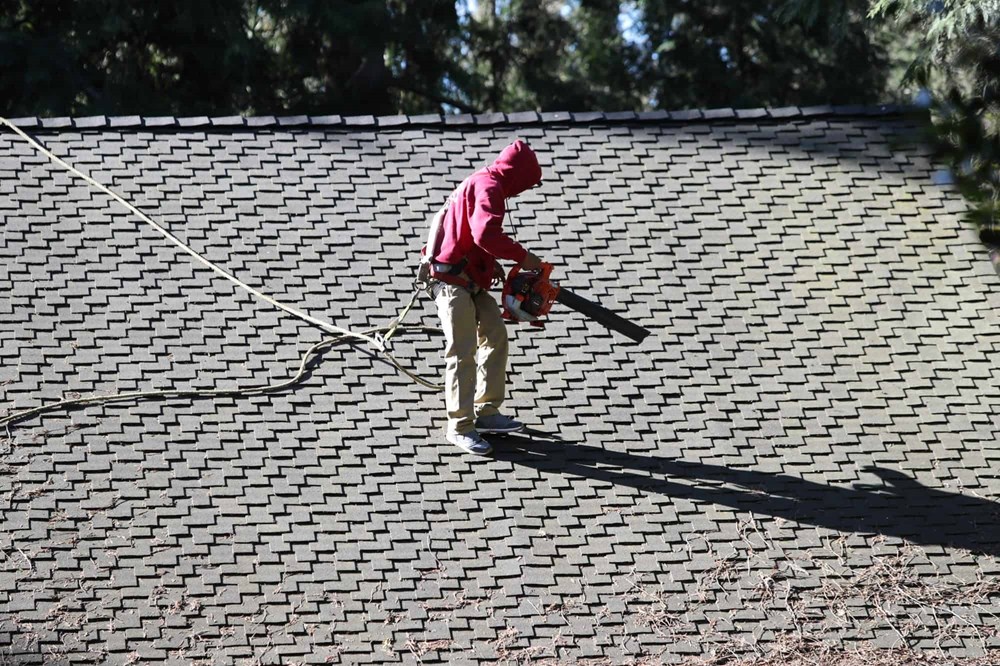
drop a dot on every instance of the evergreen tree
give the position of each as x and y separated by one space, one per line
759 53
958 67
63 57
184 57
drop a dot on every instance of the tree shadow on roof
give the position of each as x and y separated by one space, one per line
897 507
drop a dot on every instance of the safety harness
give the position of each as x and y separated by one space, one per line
431 270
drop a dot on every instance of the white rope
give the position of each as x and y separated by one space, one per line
325 325
372 336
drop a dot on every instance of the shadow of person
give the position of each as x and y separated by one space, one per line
898 507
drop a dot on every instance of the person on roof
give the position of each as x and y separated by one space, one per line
463 261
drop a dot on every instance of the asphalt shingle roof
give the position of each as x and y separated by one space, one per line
802 456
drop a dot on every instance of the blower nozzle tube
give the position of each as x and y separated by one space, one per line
602 315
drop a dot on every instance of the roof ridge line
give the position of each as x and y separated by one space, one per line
460 120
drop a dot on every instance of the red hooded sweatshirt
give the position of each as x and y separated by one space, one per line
472 227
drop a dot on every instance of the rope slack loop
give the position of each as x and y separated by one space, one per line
377 337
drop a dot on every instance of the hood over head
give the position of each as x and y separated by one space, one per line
517 168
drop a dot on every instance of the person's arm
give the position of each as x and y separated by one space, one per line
487 227
531 262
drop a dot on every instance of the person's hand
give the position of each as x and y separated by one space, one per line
498 275
531 263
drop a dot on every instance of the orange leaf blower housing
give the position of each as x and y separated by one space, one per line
529 295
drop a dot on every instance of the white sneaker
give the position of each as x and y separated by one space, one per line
498 423
471 442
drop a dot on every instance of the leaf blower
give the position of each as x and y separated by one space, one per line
529 295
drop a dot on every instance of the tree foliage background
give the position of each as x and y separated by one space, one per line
958 69
66 57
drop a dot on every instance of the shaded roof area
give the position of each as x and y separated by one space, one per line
802 456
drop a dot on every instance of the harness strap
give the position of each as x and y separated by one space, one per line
450 269
434 232
463 281
453 274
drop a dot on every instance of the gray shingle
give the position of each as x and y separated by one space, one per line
490 118
291 121
522 117
193 121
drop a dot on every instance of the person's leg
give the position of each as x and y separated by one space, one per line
491 376
458 320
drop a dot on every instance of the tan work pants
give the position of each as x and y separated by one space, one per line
475 354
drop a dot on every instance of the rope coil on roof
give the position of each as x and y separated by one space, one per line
376 337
